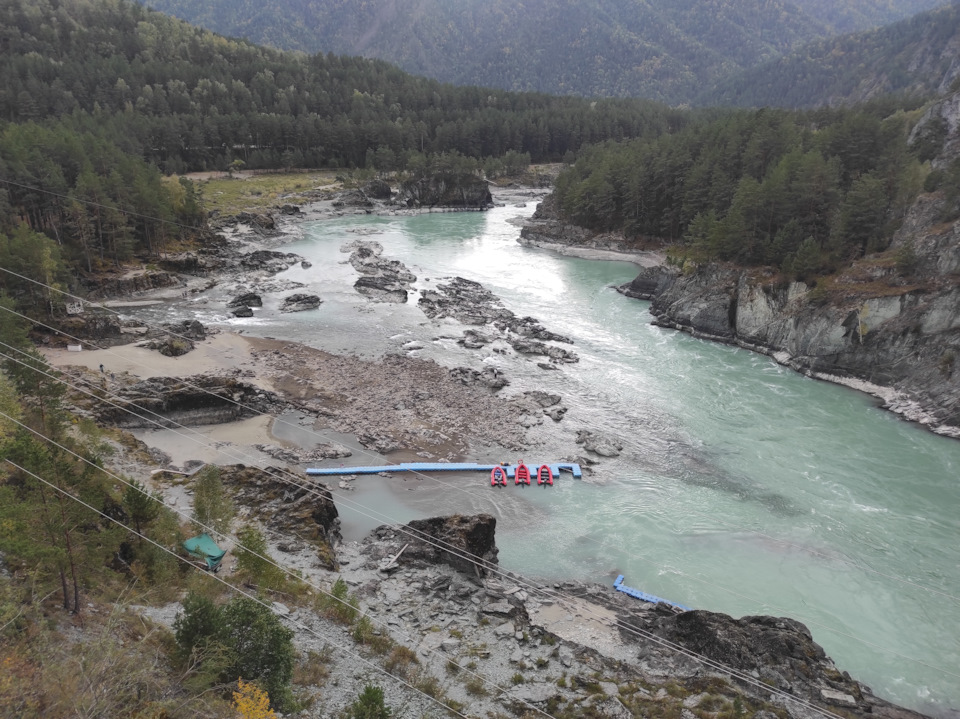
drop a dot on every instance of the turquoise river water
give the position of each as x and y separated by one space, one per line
743 487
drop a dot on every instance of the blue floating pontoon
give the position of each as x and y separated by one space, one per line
643 596
555 468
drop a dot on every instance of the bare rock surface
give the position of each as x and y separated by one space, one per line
471 303
382 279
300 302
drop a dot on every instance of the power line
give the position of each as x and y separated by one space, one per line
319 435
72 198
403 529
232 537
358 507
663 642
629 628
349 502
256 599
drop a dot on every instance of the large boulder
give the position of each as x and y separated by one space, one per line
269 261
246 299
466 543
300 302
448 189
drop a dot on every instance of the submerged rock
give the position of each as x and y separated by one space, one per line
242 312
599 444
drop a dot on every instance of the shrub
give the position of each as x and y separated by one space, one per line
400 661
251 702
254 561
369 705
242 639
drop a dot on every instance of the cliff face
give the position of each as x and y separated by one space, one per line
448 189
897 341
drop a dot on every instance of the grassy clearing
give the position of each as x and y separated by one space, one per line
247 192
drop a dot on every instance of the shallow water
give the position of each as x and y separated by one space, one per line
743 487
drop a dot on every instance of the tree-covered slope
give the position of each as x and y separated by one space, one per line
99 97
917 55
189 99
665 51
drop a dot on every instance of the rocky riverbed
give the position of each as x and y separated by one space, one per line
487 640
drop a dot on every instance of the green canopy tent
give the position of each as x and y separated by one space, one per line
202 547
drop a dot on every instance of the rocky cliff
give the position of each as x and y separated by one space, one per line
460 190
871 328
888 324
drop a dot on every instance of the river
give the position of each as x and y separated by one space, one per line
743 487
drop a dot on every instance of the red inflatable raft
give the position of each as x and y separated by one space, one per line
544 475
522 474
498 477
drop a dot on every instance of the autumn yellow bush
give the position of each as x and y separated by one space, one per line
252 702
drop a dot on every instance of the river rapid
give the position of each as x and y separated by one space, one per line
742 487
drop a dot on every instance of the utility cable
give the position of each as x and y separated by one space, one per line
435 542
690 654
365 452
295 623
635 630
269 560
321 436
358 507
99 205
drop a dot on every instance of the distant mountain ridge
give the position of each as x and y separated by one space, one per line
615 48
920 55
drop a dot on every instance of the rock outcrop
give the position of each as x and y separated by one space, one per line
300 302
899 342
463 191
269 261
132 284
381 279
471 303
466 543
169 401
305 509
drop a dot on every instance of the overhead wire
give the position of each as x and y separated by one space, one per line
99 205
699 580
357 508
252 597
736 674
236 540
629 628
279 420
319 435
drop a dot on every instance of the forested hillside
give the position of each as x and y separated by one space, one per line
916 56
99 97
613 48
844 17
805 192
